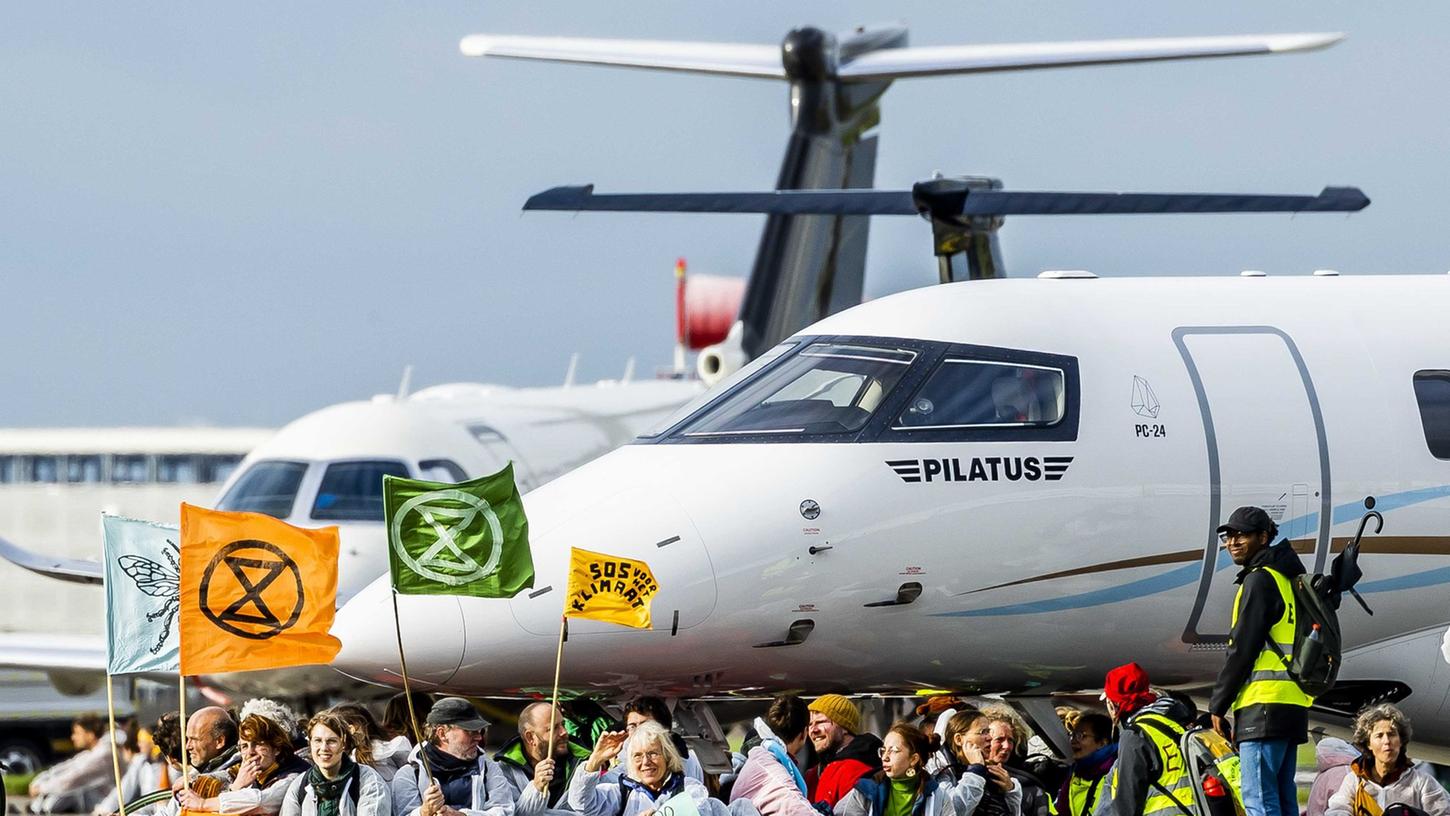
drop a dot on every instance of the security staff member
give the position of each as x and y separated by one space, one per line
1150 777
1270 711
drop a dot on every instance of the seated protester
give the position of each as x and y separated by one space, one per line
770 779
653 771
844 754
141 773
540 781
449 774
372 746
77 784
397 722
1332 757
1009 735
1384 775
1093 755
646 709
902 787
336 784
211 741
257 784
973 787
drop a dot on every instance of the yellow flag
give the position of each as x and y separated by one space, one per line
256 592
609 588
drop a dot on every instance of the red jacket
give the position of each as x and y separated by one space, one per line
831 781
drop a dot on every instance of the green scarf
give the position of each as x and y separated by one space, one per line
901 796
328 792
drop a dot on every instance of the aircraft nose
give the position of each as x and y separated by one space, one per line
432 635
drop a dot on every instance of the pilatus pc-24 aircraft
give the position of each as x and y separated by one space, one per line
988 485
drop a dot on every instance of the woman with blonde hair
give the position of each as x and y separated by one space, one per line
1384 775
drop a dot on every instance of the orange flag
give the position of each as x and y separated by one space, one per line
256 592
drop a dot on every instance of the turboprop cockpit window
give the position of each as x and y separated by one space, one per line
975 394
1432 391
827 388
353 491
268 487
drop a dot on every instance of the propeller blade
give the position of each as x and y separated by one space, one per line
993 202
787 202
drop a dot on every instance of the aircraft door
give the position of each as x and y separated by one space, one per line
1266 446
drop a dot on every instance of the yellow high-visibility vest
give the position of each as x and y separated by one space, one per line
1173 795
1269 680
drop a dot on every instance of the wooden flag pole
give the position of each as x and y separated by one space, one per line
407 689
181 685
111 735
558 662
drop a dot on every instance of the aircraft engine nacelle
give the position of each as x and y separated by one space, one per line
719 361
76 683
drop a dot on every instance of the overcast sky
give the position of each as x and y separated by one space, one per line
235 213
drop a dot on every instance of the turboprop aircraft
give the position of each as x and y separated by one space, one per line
1003 486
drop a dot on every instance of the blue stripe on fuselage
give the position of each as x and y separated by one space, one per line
1182 576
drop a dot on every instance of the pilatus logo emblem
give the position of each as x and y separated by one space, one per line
982 469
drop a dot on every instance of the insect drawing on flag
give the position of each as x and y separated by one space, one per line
159 581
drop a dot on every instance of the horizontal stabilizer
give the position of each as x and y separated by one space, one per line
731 59
897 63
945 199
65 569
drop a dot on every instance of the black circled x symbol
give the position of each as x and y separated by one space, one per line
261 623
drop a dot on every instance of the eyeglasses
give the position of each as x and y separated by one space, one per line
888 751
652 756
1233 536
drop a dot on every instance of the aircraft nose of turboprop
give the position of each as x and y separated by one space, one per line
432 634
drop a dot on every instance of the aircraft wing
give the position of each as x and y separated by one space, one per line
731 59
52 652
895 63
66 569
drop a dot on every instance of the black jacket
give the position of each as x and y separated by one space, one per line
1138 765
1260 607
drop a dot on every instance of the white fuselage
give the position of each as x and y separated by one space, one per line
1192 397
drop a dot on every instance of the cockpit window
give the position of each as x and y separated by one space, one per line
741 374
353 491
268 487
828 388
965 393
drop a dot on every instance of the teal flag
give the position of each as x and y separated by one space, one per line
469 538
143 595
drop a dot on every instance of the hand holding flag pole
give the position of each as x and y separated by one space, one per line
603 588
470 538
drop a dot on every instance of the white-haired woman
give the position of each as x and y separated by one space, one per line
1384 775
654 771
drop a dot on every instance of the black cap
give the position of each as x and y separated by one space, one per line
456 711
1248 520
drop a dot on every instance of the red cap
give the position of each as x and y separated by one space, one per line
1127 688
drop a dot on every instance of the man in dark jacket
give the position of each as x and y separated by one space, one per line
1150 778
1270 711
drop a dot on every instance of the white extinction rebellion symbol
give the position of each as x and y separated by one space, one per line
446 562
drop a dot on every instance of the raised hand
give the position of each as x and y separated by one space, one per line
609 745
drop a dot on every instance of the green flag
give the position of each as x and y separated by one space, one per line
469 538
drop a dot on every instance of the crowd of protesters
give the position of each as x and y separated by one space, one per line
800 758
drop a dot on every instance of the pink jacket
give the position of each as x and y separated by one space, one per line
769 786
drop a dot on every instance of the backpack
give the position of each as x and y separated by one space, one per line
1212 766
1314 665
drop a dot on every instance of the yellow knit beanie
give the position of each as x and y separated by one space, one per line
840 710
